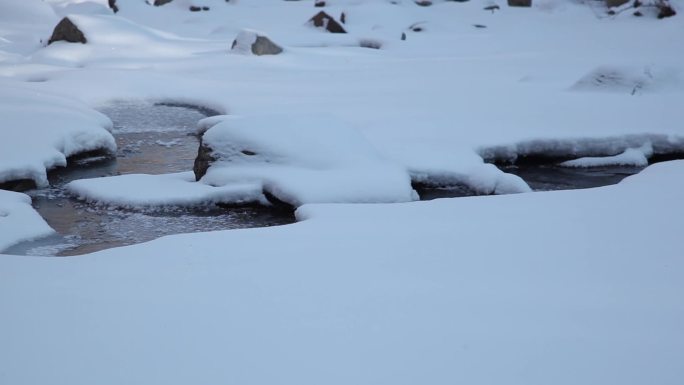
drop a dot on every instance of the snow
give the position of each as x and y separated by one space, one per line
42 129
303 159
180 189
556 287
18 221
570 287
637 157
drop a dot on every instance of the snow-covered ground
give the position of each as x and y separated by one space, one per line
574 287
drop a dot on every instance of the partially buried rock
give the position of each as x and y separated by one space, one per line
519 3
323 20
161 2
615 3
67 31
248 41
112 5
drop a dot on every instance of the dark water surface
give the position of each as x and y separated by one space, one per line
151 139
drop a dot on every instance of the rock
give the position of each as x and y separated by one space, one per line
343 18
161 2
665 10
67 31
248 41
319 3
323 20
112 5
519 3
492 8
615 3
194 8
203 160
205 8
423 3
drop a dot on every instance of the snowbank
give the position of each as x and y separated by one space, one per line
18 221
302 159
41 129
138 190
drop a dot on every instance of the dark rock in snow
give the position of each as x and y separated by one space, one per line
323 20
67 31
615 3
205 8
161 2
492 8
319 3
343 18
251 41
665 10
423 3
519 3
194 8
112 5
203 160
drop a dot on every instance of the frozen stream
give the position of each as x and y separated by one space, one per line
151 139
158 139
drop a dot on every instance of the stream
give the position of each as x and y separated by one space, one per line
158 138
151 139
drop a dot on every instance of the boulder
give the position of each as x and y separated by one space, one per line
67 31
248 41
161 2
323 20
615 3
519 3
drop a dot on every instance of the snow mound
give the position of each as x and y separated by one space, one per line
18 221
303 159
179 189
630 157
40 130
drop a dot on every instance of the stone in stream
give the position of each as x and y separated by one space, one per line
325 21
248 41
67 31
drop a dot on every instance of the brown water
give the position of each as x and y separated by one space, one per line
151 139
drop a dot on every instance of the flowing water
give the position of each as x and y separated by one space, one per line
151 139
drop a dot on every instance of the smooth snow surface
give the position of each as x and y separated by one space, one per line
561 287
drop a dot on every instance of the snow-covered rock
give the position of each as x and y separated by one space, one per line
256 43
301 159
